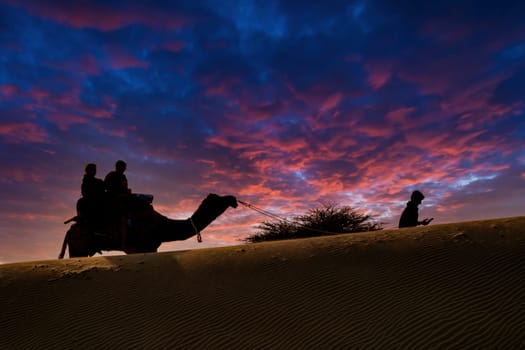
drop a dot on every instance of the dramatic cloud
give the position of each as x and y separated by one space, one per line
288 105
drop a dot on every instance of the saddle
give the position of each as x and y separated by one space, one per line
110 219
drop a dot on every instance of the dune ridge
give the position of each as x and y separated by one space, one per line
451 286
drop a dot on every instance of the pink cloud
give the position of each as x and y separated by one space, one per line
217 84
13 175
33 216
87 65
120 133
90 65
120 59
474 103
449 207
462 144
175 46
379 73
450 73
263 110
22 132
376 131
9 90
446 32
328 185
38 95
260 190
102 16
400 115
268 154
66 109
331 102
220 89
104 112
65 120
316 96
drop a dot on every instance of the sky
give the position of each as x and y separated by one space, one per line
288 105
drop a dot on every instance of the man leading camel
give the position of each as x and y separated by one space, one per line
409 217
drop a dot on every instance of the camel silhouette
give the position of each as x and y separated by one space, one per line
142 230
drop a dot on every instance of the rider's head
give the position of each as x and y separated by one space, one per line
91 169
417 197
120 166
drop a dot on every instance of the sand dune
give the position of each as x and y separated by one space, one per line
454 286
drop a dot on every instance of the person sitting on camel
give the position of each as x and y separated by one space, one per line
92 187
119 201
115 181
93 191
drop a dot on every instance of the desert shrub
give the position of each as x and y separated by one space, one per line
328 220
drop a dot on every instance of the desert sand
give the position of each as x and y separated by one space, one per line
451 286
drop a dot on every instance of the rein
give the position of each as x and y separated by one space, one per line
264 212
199 237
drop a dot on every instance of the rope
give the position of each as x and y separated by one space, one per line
264 212
280 218
199 238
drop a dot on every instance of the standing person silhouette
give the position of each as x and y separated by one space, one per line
409 217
